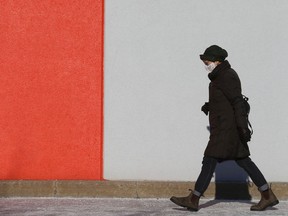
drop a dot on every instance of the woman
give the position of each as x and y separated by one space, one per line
229 132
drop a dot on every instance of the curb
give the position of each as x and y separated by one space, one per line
132 189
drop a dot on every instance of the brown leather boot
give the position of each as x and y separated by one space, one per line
191 202
268 199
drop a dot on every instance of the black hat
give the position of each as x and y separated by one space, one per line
214 53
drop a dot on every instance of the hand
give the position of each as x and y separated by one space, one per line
205 108
245 134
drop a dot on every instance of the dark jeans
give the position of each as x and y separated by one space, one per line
208 168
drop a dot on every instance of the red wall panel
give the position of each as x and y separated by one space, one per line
51 89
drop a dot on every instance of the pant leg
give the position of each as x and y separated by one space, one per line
253 171
205 176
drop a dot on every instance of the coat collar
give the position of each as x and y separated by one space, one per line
223 66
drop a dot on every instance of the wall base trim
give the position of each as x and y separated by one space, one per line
131 189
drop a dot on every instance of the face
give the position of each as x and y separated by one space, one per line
210 66
206 62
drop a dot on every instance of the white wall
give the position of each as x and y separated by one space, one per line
155 83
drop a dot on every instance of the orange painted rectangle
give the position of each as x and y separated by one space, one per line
51 89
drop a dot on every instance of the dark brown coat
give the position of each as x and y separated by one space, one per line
224 116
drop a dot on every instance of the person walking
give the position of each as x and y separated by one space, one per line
229 131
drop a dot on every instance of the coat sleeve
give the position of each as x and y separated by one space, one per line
231 88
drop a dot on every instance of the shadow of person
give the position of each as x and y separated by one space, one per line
215 202
231 182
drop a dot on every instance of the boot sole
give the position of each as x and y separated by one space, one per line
192 209
180 204
271 205
177 203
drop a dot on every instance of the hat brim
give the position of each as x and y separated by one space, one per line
211 58
207 58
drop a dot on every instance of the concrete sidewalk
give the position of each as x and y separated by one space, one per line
128 206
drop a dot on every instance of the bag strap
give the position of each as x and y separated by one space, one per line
248 111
